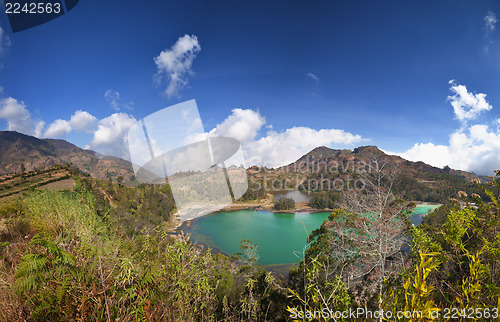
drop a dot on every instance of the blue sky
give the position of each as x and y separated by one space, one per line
364 72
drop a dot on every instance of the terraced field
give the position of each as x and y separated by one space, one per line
54 178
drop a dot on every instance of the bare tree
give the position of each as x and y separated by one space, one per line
367 237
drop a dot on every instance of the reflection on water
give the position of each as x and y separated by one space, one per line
419 213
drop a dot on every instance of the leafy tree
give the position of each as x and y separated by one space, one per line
249 251
254 192
467 243
325 200
284 204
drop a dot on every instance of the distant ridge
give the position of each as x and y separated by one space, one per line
418 170
18 149
416 180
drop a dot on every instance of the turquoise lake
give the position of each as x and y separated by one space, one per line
279 236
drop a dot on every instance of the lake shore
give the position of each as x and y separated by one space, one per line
299 207
267 204
223 231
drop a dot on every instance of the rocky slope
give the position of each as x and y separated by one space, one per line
17 150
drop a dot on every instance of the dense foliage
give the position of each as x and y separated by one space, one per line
412 189
254 192
451 270
324 200
102 252
465 241
284 204
63 258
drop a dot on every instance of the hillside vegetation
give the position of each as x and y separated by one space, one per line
104 251
70 256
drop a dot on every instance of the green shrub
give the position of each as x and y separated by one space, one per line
284 204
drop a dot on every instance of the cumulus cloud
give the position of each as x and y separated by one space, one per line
80 121
474 147
83 121
467 105
242 125
111 133
108 134
175 63
275 148
19 118
312 76
280 148
58 128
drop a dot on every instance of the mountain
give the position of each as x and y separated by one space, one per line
320 156
17 149
325 169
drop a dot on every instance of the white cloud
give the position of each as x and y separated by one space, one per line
466 105
312 76
59 128
490 21
108 133
280 148
473 147
81 121
18 117
275 148
4 41
242 125
113 98
175 63
436 155
111 133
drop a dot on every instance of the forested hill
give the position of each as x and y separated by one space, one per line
17 150
417 180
